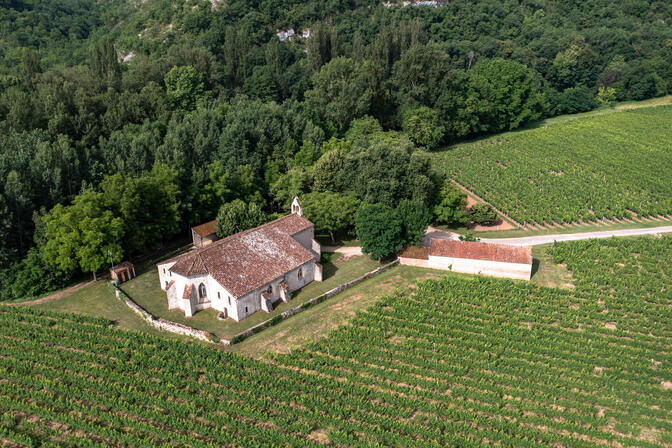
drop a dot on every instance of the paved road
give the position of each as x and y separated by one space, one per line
545 239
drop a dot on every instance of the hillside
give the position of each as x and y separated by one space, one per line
603 166
462 361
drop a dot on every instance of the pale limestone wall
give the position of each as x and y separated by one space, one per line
484 267
247 305
292 277
173 300
414 262
305 237
252 300
164 274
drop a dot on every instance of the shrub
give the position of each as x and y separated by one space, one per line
482 214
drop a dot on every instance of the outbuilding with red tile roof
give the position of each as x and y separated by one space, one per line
470 257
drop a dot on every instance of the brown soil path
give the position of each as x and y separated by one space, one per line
54 296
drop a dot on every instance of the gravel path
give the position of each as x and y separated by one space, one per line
347 251
545 239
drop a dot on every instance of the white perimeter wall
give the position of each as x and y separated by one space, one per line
414 262
484 267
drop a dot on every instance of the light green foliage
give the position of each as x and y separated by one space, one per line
450 206
415 217
184 87
306 155
326 171
294 182
606 95
80 235
584 169
470 353
378 228
335 144
482 213
423 126
340 93
330 212
236 216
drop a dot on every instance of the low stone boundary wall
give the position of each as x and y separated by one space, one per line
174 327
414 262
314 301
166 325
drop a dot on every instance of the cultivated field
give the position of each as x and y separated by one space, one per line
462 362
604 166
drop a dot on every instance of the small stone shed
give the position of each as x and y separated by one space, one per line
469 257
204 234
123 272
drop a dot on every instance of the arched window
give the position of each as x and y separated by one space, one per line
300 273
201 291
269 289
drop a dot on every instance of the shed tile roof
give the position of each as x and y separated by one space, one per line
250 259
480 251
123 266
205 229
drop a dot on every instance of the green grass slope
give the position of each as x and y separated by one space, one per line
596 167
460 362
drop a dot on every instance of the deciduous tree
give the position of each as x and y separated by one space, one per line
236 216
80 235
330 212
378 228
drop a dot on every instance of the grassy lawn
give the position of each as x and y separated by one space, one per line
98 300
318 320
145 291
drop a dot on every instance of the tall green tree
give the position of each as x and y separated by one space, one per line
149 206
104 64
340 93
451 205
502 95
184 87
330 212
378 228
80 235
415 217
236 216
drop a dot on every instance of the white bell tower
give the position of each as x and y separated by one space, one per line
296 206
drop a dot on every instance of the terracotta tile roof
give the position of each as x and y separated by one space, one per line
248 260
123 266
420 253
189 265
187 291
480 251
205 229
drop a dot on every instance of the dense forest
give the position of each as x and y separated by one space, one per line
124 122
